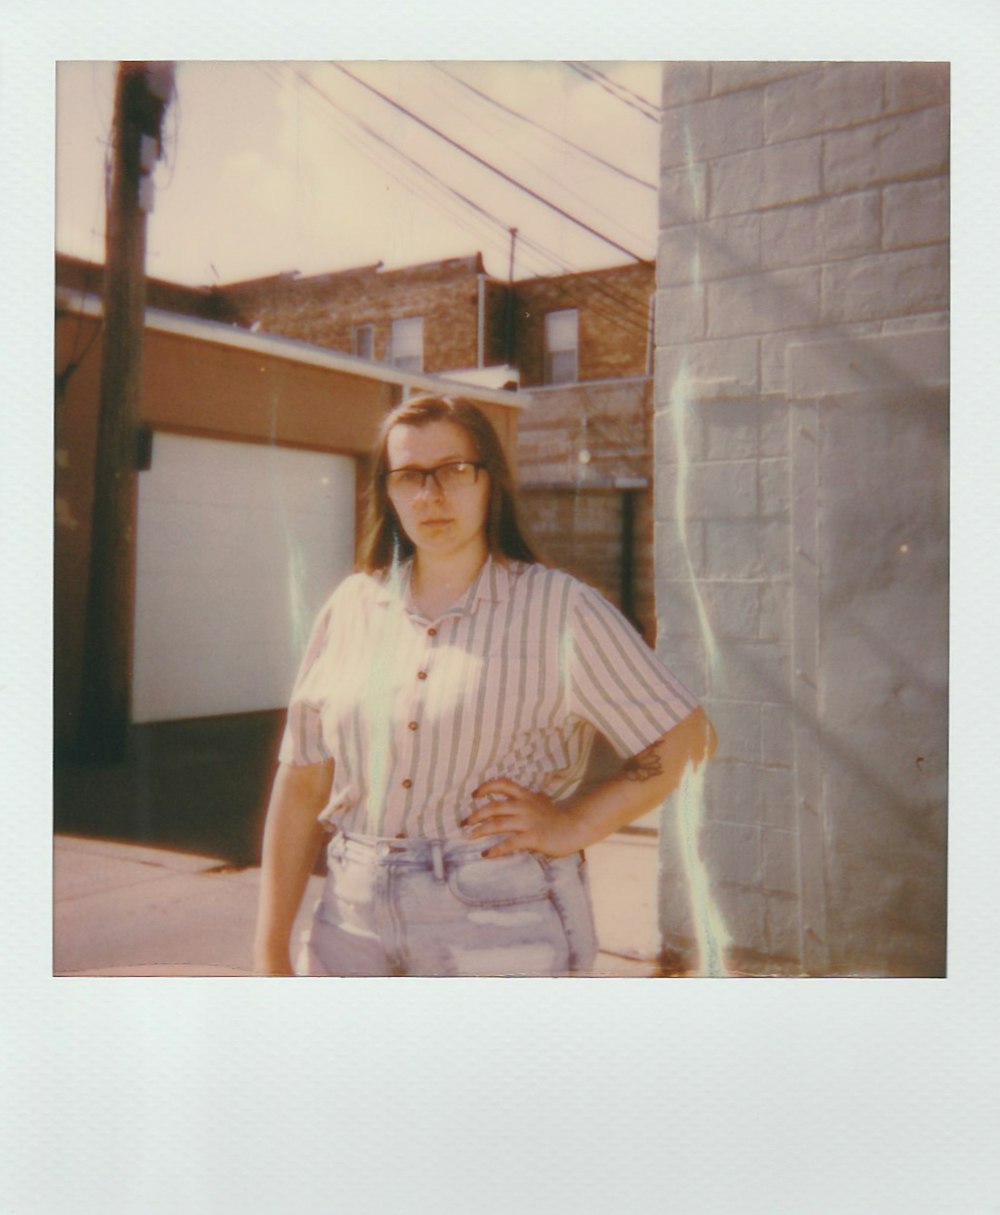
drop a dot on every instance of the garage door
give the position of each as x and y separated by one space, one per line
238 546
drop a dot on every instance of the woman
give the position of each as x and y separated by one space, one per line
441 723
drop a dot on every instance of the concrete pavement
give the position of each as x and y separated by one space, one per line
126 909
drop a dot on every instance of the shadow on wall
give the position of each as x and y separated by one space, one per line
196 786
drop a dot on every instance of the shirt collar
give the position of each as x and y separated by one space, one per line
491 585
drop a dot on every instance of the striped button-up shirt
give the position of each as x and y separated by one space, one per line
512 681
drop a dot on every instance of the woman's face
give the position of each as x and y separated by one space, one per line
439 522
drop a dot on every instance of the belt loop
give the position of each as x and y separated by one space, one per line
437 860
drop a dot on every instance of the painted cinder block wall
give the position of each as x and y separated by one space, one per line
801 495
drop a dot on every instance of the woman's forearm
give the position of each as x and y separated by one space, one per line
645 780
292 838
530 820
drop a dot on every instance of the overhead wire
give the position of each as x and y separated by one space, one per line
516 148
620 87
434 181
486 164
648 185
611 87
623 306
616 300
389 165
623 311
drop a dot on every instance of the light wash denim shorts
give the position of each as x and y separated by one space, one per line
438 907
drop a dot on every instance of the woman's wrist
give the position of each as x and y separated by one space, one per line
272 959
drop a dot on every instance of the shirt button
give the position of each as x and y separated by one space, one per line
432 632
421 674
407 784
413 725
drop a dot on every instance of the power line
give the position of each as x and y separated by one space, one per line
422 169
486 165
611 87
621 87
520 148
648 185
434 181
622 312
418 190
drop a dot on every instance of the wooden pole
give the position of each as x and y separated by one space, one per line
141 96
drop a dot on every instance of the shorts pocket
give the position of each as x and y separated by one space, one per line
499 882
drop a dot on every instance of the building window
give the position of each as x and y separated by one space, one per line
363 341
407 352
561 346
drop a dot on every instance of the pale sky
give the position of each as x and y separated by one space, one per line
266 167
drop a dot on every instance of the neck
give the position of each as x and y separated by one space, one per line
439 579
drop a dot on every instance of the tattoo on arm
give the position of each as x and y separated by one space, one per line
642 767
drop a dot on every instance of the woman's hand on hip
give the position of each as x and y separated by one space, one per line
531 821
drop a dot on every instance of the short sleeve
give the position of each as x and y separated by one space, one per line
617 683
302 742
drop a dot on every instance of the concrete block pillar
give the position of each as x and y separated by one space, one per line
801 510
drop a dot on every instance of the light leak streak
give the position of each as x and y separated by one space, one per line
298 611
711 934
380 698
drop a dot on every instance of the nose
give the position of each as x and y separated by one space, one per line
431 487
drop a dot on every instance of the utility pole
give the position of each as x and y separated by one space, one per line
142 94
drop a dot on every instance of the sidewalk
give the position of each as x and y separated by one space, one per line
125 909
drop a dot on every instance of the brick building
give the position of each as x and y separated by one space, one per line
437 317
449 316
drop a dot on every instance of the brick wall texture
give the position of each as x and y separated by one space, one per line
325 309
614 306
582 447
801 503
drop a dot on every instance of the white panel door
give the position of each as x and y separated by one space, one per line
239 545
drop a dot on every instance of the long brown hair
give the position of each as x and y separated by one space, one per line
385 539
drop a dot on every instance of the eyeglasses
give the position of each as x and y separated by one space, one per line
408 482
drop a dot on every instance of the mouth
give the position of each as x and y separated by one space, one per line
434 522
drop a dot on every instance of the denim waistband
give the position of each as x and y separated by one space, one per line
425 853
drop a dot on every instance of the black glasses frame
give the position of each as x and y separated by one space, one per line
478 465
